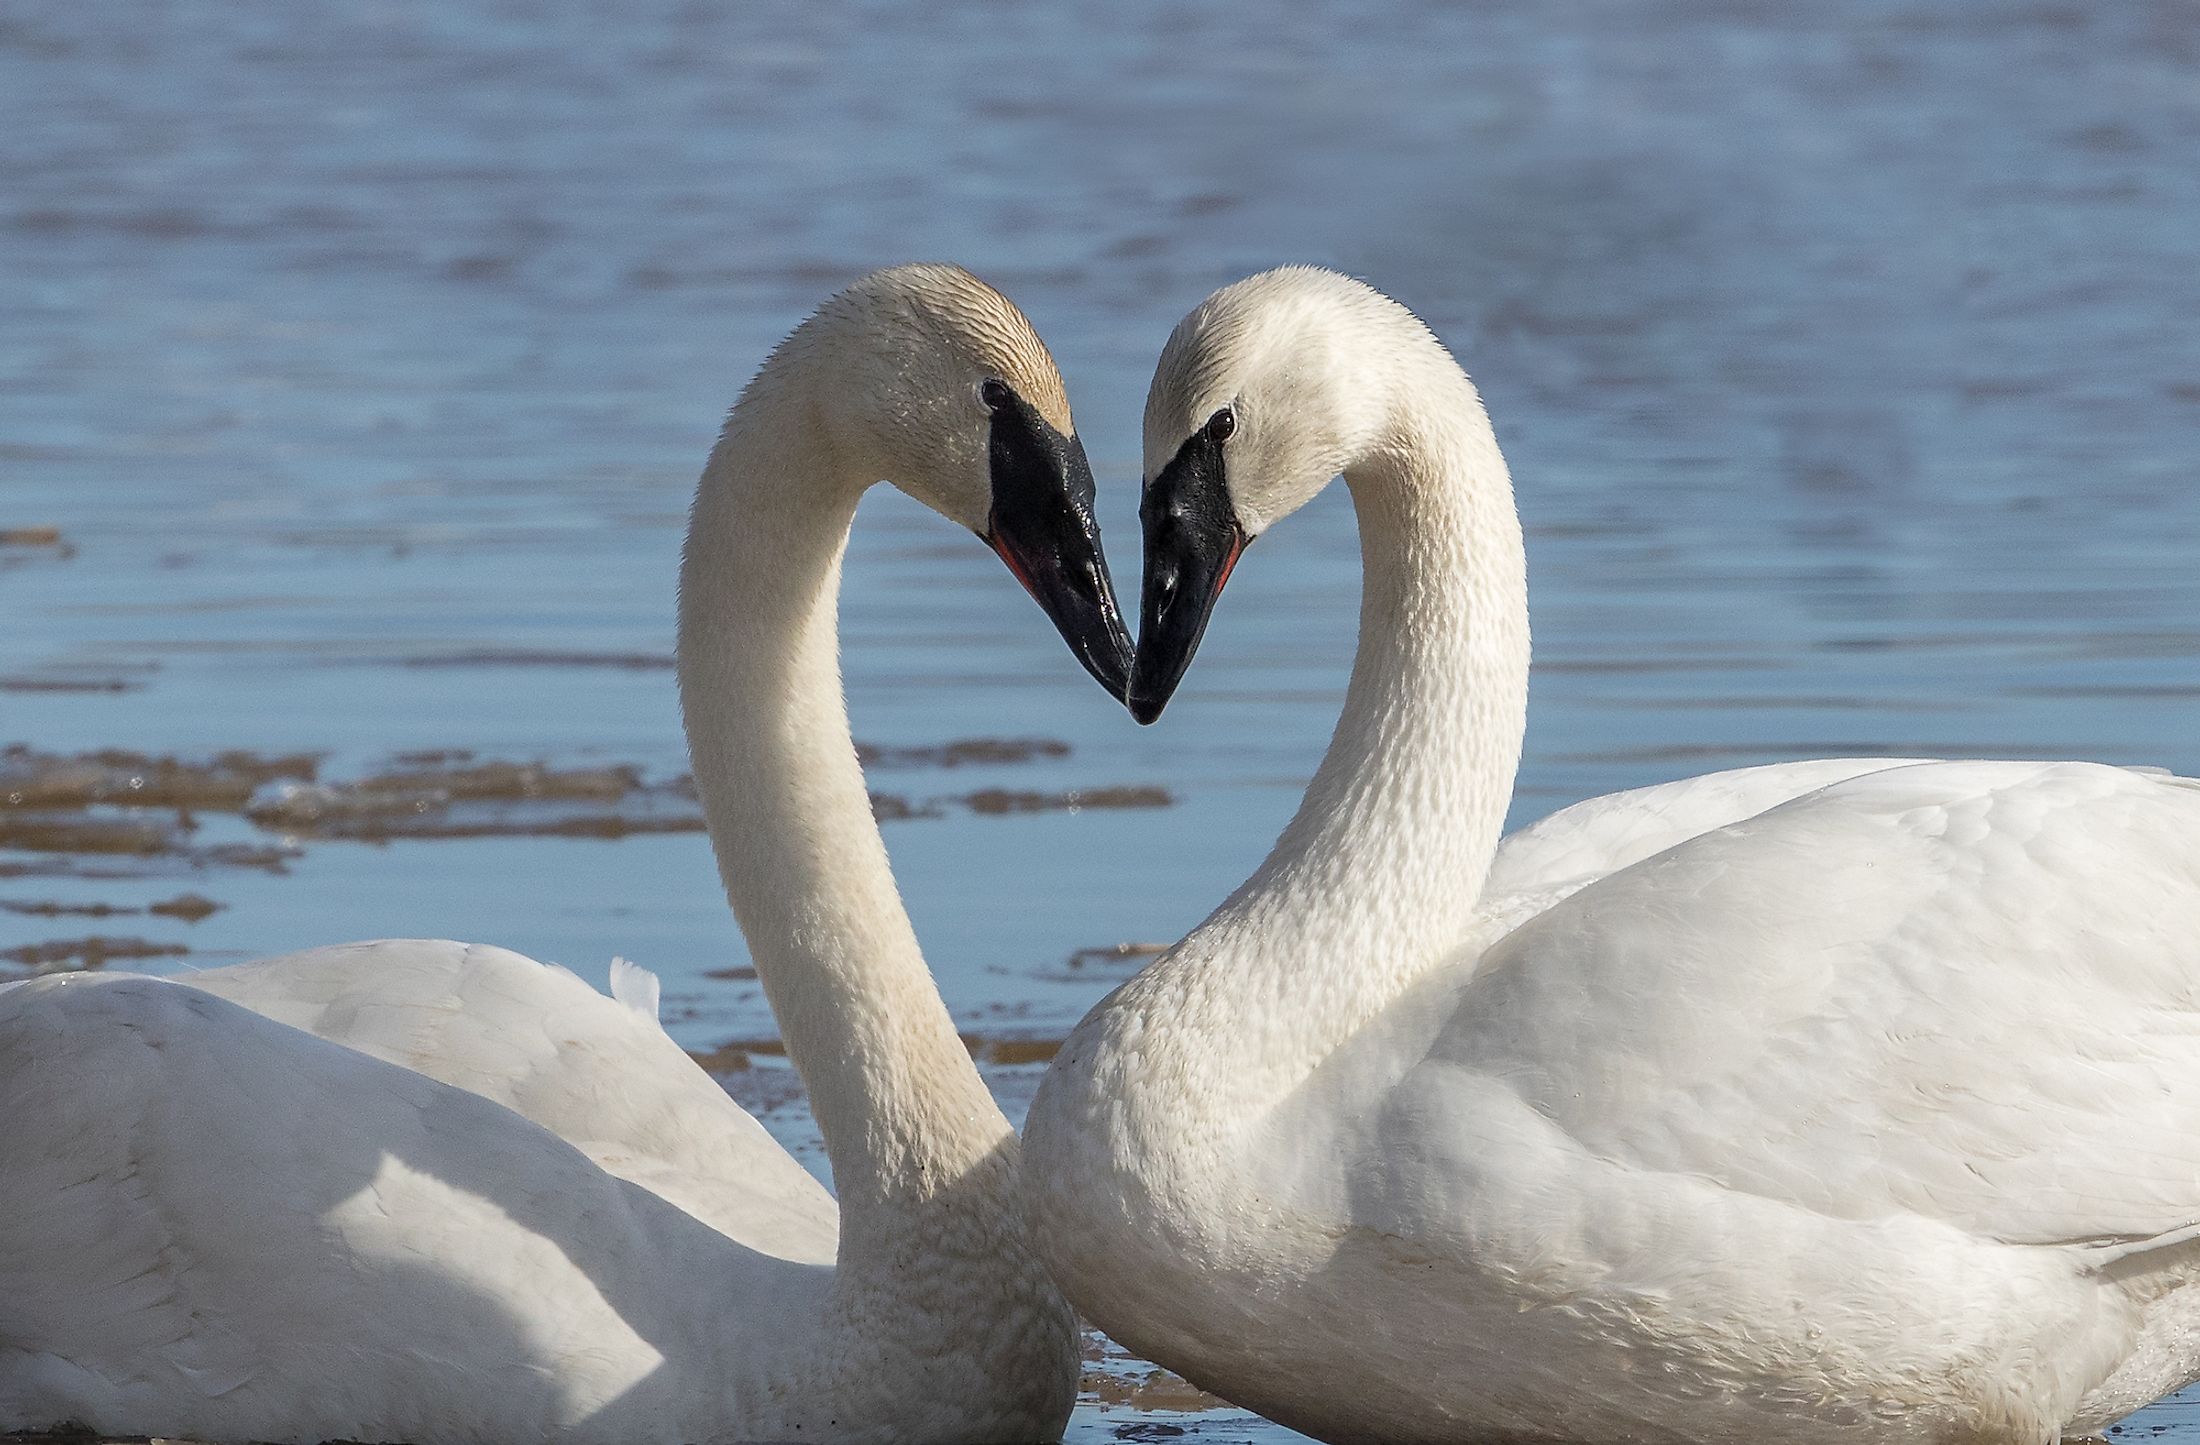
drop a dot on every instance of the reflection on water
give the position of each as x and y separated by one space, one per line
355 365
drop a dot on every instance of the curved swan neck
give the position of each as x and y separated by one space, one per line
1380 869
903 1113
1409 801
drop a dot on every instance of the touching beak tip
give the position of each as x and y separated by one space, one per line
1113 673
1082 606
1184 579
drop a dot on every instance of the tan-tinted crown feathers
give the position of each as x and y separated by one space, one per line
955 311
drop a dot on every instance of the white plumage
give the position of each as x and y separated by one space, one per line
223 1224
426 1192
1855 1099
599 1073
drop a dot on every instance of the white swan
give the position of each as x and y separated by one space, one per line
213 1224
1844 1100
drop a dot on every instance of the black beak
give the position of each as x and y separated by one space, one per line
1192 541
1043 528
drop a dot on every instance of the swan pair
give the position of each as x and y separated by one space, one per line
1832 1100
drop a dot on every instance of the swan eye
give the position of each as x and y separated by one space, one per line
1222 425
994 393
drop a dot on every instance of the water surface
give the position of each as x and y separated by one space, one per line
363 359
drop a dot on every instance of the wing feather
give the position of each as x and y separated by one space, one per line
199 1204
598 1072
1963 991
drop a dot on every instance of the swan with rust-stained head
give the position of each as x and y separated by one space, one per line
1832 1101
493 1219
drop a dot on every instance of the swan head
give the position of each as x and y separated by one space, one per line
942 387
1263 394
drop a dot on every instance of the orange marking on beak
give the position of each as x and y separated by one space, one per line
1229 565
1015 568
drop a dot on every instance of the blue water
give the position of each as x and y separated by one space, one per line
1847 357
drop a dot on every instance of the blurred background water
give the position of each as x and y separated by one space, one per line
360 360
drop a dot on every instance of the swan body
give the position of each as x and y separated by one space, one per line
263 1232
1855 1099
600 1073
417 1191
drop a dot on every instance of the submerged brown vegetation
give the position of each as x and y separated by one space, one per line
738 1055
119 814
190 907
89 952
33 780
1115 953
114 801
1076 800
1115 1380
450 795
961 752
67 684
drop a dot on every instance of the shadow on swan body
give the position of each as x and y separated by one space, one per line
1855 1099
600 1073
416 1191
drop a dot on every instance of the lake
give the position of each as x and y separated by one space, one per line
356 365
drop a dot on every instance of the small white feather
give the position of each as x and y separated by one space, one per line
636 987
